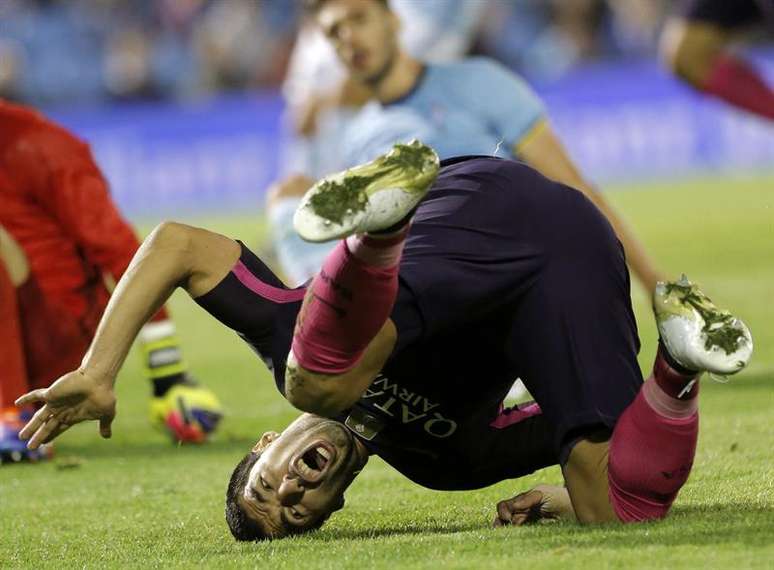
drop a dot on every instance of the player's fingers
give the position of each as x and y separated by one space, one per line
57 432
520 518
43 433
528 500
31 397
37 420
504 511
105 422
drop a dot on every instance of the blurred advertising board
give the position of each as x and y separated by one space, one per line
632 122
627 122
166 158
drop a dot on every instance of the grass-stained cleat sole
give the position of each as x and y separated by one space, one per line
368 197
697 334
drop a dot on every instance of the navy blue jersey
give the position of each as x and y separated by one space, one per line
505 274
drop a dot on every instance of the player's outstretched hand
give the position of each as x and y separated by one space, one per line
76 397
544 502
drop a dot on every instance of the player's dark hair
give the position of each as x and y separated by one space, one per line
313 6
242 526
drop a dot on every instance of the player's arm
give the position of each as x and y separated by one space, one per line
174 255
349 93
300 260
542 149
76 194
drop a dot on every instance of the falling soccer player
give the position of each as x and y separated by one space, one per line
445 284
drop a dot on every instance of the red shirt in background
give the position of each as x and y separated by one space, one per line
55 202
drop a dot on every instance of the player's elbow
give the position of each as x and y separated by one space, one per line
325 403
170 237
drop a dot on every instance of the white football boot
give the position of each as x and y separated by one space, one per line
368 197
697 334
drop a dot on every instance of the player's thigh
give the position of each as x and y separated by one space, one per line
470 249
573 335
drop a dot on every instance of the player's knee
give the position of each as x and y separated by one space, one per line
689 49
322 394
313 393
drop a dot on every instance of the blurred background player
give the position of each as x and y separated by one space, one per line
696 45
473 106
317 83
63 242
322 98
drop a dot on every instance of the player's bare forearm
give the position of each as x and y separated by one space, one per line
542 150
174 255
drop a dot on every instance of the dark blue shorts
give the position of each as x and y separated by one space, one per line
494 241
730 14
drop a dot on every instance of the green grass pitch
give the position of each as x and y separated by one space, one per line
137 501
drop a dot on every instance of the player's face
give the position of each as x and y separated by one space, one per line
302 474
364 34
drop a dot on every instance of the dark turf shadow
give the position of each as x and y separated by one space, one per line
693 525
129 449
329 535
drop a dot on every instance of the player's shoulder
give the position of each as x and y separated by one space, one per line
34 133
473 67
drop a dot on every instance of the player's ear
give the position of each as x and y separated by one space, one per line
391 18
395 22
265 441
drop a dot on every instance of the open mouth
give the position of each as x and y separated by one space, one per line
359 59
312 464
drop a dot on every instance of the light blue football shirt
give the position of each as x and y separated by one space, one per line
472 106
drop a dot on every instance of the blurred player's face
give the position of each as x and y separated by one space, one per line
302 474
364 34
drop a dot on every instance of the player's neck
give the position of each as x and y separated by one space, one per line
400 80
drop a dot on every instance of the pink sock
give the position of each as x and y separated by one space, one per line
348 303
651 452
739 84
679 384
